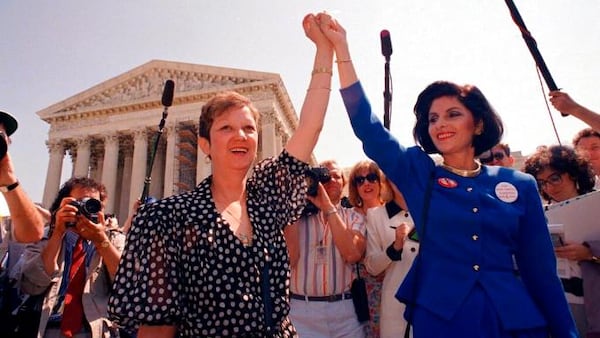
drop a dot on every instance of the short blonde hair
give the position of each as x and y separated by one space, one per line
372 167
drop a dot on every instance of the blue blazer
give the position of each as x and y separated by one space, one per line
479 230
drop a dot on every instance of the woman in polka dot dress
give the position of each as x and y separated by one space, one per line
213 262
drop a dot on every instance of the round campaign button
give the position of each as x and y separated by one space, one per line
506 192
447 182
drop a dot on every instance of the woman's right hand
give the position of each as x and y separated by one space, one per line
401 233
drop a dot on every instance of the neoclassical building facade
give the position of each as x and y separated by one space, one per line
109 131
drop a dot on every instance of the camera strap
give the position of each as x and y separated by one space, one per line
424 216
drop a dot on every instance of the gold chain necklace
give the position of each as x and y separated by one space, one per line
245 238
463 172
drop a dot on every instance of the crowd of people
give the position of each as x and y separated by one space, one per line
459 248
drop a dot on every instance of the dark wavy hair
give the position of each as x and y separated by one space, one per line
587 132
562 159
473 99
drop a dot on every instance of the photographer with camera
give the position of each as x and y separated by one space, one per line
75 265
323 248
27 223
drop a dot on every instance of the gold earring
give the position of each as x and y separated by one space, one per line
207 159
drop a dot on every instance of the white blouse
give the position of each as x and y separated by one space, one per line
380 235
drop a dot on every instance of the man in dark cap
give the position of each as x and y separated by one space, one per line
27 223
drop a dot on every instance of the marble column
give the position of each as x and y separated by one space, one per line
158 170
109 169
124 191
269 138
53 173
82 163
278 140
139 165
169 174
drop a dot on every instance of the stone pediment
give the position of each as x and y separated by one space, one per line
141 89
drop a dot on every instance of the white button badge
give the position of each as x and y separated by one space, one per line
506 192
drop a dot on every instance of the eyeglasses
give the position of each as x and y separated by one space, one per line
554 179
499 156
372 178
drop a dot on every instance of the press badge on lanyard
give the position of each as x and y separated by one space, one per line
320 249
321 254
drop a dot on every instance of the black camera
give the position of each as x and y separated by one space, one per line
315 176
3 144
88 207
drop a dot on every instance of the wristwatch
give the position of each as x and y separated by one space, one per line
105 244
10 187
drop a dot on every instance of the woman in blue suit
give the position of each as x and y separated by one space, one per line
480 222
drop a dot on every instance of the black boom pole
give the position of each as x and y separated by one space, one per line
167 101
532 45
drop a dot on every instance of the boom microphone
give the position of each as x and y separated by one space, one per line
167 97
386 50
167 101
386 44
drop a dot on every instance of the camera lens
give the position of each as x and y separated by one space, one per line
91 205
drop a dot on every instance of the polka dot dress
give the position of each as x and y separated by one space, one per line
183 266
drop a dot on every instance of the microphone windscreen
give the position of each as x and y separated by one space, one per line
167 97
386 43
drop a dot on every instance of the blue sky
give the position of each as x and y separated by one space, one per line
50 51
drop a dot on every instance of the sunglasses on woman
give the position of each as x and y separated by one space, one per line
499 156
372 178
553 179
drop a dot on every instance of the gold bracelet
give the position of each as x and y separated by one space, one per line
317 88
320 70
343 61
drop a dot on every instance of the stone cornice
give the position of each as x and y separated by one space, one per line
141 89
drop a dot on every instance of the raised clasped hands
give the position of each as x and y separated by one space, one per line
322 28
310 23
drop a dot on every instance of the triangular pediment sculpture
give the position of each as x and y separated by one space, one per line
141 87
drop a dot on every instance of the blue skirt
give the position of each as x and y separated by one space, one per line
477 318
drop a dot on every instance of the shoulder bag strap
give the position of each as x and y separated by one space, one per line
424 217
